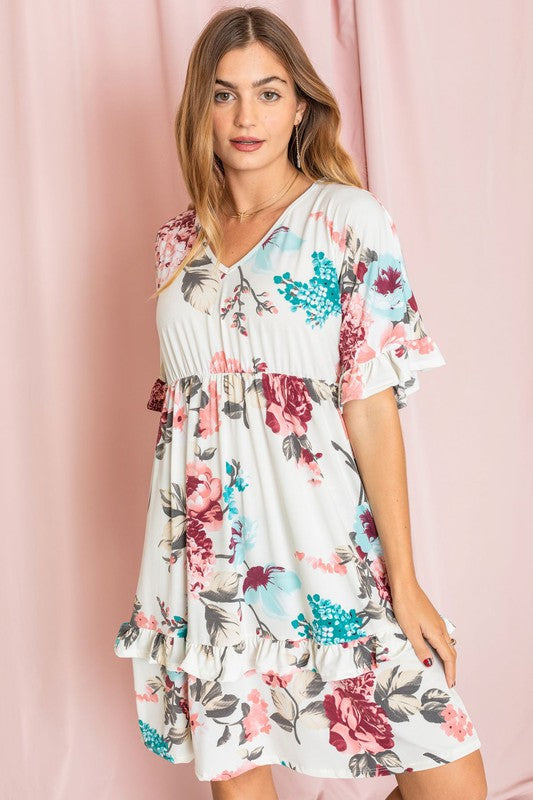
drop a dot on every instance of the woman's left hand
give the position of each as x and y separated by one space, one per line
420 620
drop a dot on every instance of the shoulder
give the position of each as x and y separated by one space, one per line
173 239
363 217
180 227
356 205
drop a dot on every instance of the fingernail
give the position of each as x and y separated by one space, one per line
428 662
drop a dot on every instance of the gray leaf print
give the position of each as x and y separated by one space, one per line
200 285
222 627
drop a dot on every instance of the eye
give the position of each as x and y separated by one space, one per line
219 93
269 91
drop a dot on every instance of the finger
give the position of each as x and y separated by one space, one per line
420 647
448 655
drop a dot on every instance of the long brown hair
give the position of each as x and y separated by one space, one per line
321 153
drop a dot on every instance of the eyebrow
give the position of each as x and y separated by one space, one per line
260 82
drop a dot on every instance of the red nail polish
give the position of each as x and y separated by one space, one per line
428 662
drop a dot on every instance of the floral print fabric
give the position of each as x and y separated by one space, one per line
262 628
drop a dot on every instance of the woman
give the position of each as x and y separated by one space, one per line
278 618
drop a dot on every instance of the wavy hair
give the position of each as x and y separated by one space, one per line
321 153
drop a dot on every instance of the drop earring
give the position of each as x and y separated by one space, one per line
298 164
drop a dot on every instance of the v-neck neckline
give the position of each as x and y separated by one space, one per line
225 269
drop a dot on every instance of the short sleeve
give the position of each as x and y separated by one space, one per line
172 242
383 341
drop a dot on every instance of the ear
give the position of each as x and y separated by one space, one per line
300 108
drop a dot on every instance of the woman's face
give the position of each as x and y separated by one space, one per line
267 112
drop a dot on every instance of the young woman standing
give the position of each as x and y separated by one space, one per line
278 618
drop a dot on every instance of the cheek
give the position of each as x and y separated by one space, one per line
279 122
219 120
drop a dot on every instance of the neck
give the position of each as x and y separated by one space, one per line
247 189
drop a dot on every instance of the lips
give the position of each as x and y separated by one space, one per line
247 141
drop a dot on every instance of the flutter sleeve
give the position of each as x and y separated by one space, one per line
382 340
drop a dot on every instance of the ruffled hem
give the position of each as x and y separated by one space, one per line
396 365
262 653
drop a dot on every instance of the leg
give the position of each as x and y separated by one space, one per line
463 779
256 784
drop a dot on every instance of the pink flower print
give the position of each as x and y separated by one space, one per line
391 334
352 384
379 571
274 679
456 723
200 556
162 424
355 320
208 416
142 621
220 363
307 458
194 723
423 345
338 237
178 417
203 492
174 244
148 697
288 403
226 774
334 564
256 721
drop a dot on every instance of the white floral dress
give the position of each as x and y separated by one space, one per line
262 628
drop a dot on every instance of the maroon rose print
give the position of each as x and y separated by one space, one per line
200 556
356 723
288 403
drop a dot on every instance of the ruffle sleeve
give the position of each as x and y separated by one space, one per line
382 341
172 242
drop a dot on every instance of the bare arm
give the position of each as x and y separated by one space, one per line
376 437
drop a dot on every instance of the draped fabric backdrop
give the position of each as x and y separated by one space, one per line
437 109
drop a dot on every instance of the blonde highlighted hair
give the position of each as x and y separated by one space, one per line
321 153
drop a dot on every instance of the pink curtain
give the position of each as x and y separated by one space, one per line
437 107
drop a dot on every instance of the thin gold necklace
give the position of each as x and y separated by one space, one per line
250 212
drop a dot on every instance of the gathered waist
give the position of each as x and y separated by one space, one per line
289 381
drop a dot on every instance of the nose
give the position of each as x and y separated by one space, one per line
244 116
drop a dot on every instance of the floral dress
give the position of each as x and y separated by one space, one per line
262 629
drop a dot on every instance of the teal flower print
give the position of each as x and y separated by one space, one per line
243 536
179 627
237 482
154 741
388 287
269 586
281 238
320 297
178 678
331 623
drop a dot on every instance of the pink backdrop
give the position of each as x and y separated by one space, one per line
437 107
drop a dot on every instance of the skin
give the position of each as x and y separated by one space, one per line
267 112
372 423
